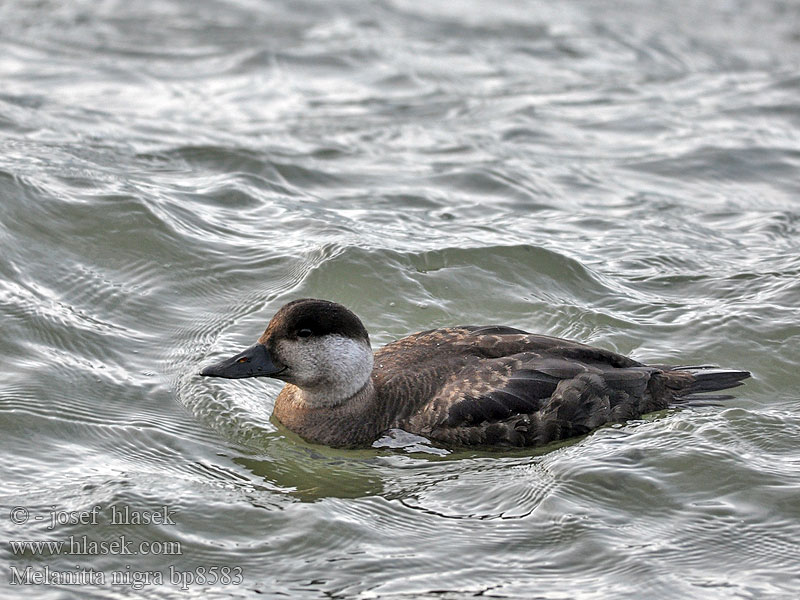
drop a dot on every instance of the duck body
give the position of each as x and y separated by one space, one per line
460 386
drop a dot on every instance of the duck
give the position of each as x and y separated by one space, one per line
464 386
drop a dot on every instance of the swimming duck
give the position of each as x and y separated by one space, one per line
487 386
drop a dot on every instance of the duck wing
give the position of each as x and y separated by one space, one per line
530 398
495 385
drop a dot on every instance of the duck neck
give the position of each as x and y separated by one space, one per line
350 422
345 397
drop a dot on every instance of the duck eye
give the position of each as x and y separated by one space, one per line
304 333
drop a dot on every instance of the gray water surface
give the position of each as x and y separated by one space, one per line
626 174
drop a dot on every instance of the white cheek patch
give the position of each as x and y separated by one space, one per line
328 369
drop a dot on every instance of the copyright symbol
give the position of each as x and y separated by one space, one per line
19 515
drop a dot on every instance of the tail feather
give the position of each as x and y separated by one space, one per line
703 379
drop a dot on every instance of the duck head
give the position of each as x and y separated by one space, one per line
319 346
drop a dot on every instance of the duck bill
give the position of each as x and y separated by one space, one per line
253 362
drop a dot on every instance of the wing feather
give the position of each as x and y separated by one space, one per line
527 399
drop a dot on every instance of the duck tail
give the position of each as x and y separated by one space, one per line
691 381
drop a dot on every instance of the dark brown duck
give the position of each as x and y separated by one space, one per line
460 386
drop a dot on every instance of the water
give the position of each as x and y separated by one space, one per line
622 173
